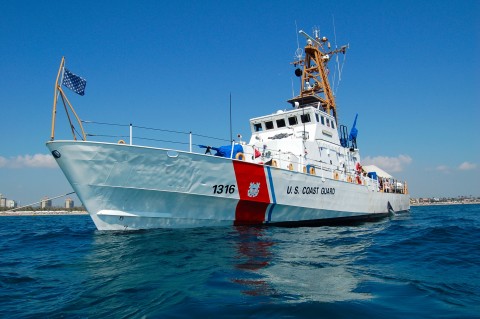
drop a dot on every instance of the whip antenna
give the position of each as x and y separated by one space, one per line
231 137
336 57
299 51
338 68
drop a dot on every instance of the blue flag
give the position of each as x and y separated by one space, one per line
74 82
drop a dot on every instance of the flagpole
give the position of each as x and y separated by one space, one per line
84 137
55 98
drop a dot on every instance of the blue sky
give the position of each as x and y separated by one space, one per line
412 74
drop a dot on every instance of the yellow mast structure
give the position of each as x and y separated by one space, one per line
315 88
59 92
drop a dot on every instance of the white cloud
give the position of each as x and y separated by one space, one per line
442 168
389 164
36 160
466 166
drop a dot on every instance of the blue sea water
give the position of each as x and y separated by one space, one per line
422 264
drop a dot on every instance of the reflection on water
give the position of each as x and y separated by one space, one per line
305 264
254 253
168 268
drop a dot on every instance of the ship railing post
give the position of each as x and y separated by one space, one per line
190 141
233 145
131 130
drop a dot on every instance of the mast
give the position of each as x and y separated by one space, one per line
315 88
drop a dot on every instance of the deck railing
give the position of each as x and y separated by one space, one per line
109 131
167 136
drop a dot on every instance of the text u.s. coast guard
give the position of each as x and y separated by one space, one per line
310 190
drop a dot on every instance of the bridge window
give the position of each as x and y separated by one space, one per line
257 127
305 118
316 115
323 120
333 125
281 123
328 122
292 120
269 125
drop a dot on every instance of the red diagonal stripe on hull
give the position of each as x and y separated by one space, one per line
250 213
250 209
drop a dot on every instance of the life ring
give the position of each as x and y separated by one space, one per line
310 169
274 163
121 142
336 176
290 166
349 179
240 156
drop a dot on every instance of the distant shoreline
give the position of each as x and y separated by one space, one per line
43 213
444 203
80 212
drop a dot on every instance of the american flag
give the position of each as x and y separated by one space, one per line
74 82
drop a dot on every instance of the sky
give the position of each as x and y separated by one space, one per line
412 74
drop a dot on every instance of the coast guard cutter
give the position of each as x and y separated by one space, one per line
300 167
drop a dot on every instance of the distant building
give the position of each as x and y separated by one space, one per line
69 203
3 201
10 203
46 203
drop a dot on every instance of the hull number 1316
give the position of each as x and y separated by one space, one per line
223 189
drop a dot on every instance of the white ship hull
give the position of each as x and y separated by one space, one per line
135 187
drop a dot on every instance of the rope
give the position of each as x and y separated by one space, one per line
12 210
179 132
213 138
158 129
104 135
157 140
76 131
103 123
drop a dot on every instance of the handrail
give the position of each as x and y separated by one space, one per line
324 170
153 129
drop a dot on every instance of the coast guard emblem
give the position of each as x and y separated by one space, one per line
253 189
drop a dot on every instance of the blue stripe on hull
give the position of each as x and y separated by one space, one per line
272 192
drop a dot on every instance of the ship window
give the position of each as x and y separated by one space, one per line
269 125
328 122
281 123
257 127
316 116
323 120
333 126
292 120
305 118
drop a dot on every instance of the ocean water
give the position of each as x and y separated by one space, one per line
422 264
